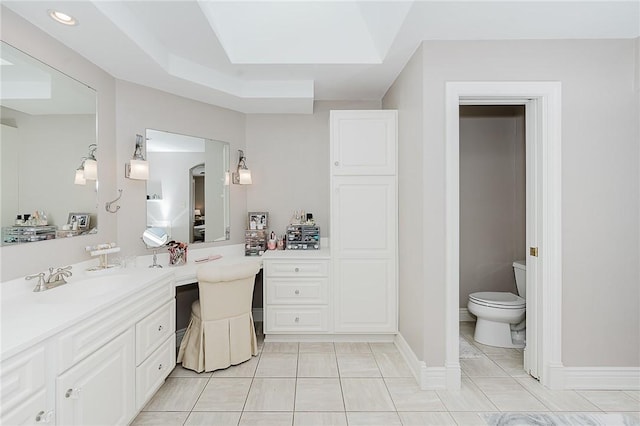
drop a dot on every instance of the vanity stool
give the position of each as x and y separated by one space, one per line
221 330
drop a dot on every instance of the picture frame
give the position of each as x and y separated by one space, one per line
258 220
83 220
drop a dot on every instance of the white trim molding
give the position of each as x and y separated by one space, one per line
602 378
428 378
465 315
548 301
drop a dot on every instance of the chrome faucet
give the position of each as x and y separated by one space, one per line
55 278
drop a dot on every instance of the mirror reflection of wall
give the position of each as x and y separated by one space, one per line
187 191
48 121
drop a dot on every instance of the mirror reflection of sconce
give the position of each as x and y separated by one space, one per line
137 167
88 169
242 175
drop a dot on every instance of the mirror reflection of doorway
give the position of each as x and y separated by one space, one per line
197 203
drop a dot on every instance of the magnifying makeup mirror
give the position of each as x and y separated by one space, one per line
154 238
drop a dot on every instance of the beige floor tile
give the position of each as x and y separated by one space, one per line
513 366
224 394
177 394
373 419
612 400
422 419
207 418
358 365
468 419
154 418
352 348
318 395
280 347
383 347
392 364
317 365
467 328
366 394
266 419
246 369
316 347
319 419
271 395
277 365
468 398
180 371
407 396
481 367
495 352
556 400
508 395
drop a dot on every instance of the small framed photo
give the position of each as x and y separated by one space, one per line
258 220
82 219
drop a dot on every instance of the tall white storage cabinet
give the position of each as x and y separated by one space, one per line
364 221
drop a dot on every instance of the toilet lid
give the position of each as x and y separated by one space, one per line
498 298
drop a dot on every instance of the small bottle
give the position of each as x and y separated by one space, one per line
19 220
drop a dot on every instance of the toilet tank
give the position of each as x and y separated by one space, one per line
520 271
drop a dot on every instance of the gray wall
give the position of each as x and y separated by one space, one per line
600 188
406 96
492 197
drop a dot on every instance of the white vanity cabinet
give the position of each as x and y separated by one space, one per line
296 292
23 383
364 221
103 366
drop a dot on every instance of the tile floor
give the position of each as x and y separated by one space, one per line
369 384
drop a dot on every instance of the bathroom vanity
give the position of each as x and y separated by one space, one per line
93 351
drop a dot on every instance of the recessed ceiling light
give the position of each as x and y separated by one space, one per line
63 18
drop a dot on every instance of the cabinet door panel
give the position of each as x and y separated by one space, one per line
364 216
22 376
28 412
365 295
363 142
100 389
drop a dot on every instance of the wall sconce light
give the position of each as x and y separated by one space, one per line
91 164
137 167
242 175
80 179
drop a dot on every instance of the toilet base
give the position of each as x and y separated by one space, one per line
492 333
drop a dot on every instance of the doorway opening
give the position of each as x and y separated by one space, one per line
541 100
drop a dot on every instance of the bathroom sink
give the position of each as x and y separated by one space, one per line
83 290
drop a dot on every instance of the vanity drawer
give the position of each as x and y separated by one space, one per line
297 319
22 377
151 373
154 329
298 268
297 291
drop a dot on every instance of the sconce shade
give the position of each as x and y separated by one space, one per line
197 212
138 169
80 179
245 176
90 169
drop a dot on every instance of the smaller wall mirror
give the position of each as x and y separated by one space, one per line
188 186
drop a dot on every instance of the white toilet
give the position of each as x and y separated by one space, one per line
501 315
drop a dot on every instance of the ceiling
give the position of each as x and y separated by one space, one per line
278 57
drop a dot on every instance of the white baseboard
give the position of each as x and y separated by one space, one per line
179 336
258 314
465 315
429 378
602 378
379 338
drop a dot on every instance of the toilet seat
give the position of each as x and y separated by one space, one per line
498 299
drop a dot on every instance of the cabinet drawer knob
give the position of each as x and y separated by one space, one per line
72 393
297 269
337 163
40 417
297 291
297 319
160 328
43 417
160 367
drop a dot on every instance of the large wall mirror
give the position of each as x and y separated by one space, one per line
48 124
188 186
